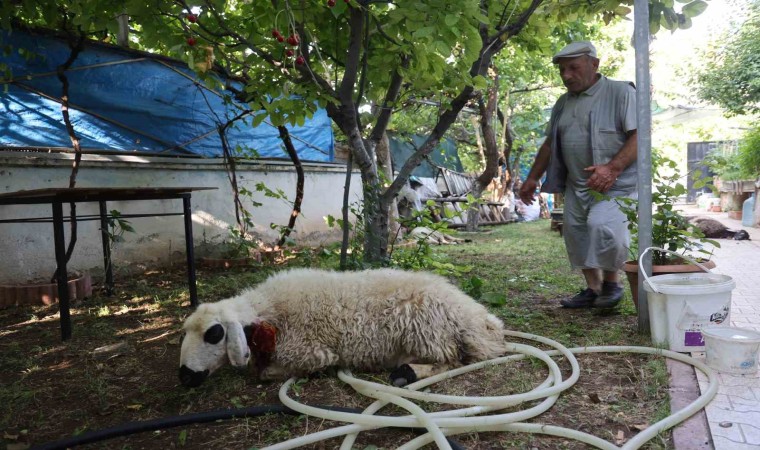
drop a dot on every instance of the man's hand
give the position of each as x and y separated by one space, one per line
602 177
527 190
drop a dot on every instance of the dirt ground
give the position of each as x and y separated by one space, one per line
51 390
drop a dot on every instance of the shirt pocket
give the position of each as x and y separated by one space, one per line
609 140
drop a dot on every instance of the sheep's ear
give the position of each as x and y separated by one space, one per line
237 346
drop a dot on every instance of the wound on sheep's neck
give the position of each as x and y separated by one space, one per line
261 340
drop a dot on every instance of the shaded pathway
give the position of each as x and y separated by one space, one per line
734 415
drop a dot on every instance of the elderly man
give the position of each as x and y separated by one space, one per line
590 149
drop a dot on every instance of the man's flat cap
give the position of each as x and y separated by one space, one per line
575 49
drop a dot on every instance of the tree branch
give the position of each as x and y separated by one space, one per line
353 57
444 123
386 109
511 30
291 150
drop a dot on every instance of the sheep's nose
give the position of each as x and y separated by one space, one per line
191 378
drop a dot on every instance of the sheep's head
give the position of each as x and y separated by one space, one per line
213 335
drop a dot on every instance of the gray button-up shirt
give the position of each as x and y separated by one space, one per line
588 129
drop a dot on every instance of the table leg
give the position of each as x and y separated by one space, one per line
107 263
62 277
189 250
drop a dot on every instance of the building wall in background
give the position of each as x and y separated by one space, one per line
27 249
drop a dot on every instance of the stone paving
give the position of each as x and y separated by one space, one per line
734 414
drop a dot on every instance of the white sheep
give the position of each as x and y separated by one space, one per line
370 320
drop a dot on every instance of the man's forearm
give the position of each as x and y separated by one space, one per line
627 154
541 162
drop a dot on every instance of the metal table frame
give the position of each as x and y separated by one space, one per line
56 197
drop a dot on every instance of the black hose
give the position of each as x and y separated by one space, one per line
455 445
128 428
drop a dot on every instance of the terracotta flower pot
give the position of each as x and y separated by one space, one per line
736 215
43 293
631 269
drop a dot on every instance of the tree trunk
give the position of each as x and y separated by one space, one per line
479 140
75 44
344 211
291 150
376 226
473 213
385 166
375 209
487 111
507 143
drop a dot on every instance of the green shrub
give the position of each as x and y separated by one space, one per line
670 229
725 166
749 155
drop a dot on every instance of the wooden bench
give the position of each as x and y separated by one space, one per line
458 185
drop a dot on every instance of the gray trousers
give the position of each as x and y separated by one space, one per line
596 231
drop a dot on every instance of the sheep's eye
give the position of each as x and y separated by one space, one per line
214 334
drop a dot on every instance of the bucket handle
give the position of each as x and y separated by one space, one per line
643 272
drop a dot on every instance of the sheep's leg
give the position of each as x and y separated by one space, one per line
293 359
274 372
409 373
429 370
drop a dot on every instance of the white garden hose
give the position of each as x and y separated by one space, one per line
440 424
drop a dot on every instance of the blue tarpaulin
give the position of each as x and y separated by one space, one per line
444 155
130 101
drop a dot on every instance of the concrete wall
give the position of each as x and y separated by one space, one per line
26 250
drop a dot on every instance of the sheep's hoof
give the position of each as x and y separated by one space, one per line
403 375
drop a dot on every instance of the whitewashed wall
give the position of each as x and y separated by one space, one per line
26 250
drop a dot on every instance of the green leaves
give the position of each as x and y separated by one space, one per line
670 229
729 76
684 22
182 439
423 32
117 226
749 155
662 13
494 298
694 8
479 82
473 287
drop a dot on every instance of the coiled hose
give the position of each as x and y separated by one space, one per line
441 424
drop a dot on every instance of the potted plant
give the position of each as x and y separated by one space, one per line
729 173
670 229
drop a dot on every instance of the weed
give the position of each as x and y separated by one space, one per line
285 431
98 386
103 311
182 438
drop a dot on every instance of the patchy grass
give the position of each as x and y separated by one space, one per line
51 390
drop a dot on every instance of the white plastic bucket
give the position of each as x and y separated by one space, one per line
732 350
681 305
